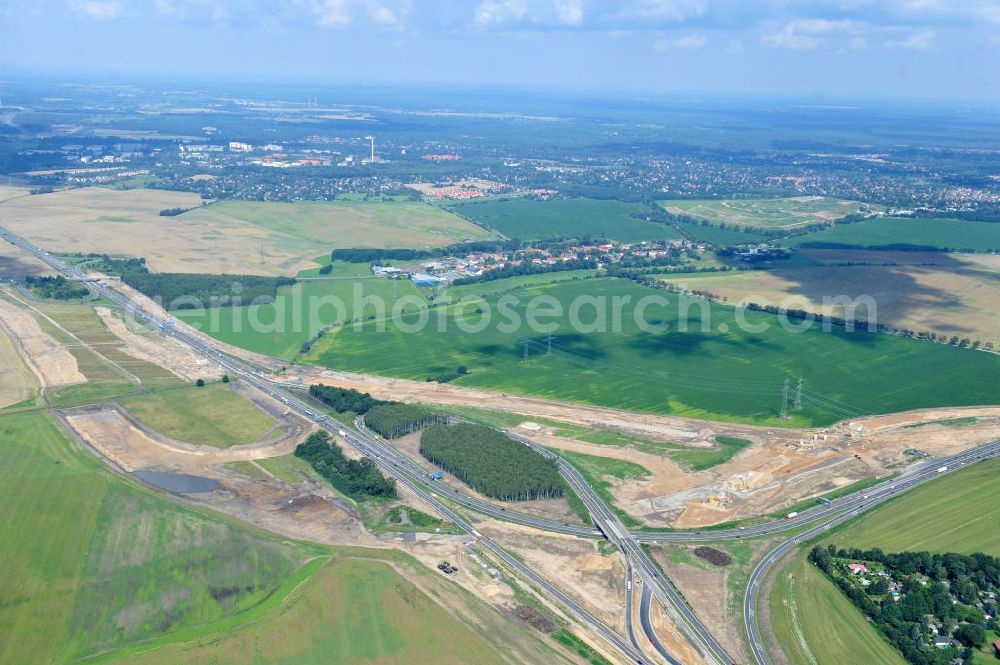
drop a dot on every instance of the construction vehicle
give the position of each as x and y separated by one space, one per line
446 568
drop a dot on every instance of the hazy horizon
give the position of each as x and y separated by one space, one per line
826 50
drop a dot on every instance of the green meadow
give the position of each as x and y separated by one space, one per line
887 232
93 562
530 219
302 310
97 568
212 415
724 372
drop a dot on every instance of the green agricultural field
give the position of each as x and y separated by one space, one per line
890 232
302 311
341 224
717 236
99 569
767 213
352 612
723 372
213 415
93 562
529 219
956 513
817 625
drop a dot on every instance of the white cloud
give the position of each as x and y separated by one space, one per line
915 41
496 12
813 33
333 13
673 10
688 42
98 10
569 12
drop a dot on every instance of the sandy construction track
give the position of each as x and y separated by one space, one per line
51 362
159 350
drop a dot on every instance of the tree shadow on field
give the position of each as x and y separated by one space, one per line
890 278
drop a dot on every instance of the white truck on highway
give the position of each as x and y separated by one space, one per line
942 469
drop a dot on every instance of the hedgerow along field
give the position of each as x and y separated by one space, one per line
96 563
531 219
896 233
787 213
724 373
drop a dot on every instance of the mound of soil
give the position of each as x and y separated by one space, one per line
713 556
534 618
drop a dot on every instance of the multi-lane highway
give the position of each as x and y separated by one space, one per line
387 458
653 581
606 523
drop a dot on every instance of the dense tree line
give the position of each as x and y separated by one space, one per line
345 399
358 479
394 420
109 265
193 291
57 288
174 212
491 463
951 588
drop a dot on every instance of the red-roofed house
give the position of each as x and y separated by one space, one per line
857 567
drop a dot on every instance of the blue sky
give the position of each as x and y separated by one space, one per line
815 48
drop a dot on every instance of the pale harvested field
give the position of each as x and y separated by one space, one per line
14 385
128 223
17 263
12 191
347 223
159 350
957 294
51 362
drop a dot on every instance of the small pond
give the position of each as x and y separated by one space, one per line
181 483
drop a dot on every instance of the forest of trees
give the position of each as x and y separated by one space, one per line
193 291
345 399
110 265
392 421
952 588
57 288
491 463
358 479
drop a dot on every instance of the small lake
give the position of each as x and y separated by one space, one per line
181 483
